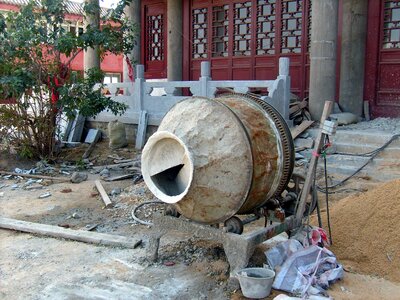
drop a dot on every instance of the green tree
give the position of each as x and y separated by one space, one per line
36 81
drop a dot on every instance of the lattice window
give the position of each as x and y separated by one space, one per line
199 29
220 22
291 26
391 24
242 28
266 18
155 45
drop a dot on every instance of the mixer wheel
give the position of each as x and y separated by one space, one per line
234 225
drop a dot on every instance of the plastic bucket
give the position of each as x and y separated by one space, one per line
256 282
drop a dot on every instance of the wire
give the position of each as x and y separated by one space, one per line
327 198
371 156
133 213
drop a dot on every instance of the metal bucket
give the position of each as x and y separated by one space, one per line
256 282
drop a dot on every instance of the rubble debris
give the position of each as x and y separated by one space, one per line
93 136
298 111
105 172
90 227
103 194
76 128
117 166
76 235
34 187
64 225
34 176
78 177
116 191
45 195
121 177
23 171
345 118
94 194
303 143
137 178
65 191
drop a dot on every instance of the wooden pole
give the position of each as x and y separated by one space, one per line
103 193
313 164
76 235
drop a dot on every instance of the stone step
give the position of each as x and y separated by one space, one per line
360 137
379 168
390 151
368 171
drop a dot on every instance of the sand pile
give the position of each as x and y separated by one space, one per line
366 231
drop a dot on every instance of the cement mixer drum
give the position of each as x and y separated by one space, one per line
214 158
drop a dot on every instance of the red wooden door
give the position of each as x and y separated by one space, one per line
154 39
245 39
382 71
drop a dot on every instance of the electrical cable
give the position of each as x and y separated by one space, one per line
133 212
315 196
371 156
327 197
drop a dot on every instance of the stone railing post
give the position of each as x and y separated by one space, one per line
138 98
138 87
205 77
284 75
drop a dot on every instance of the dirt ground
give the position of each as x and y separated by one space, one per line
36 267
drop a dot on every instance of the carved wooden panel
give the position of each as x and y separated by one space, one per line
242 28
155 45
291 15
266 27
220 37
199 33
391 24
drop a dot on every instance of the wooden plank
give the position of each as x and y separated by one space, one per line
116 166
76 235
63 179
366 111
103 194
121 177
89 150
296 131
313 164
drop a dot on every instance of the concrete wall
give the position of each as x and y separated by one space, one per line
354 33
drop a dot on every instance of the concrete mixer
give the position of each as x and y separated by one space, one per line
226 160
213 159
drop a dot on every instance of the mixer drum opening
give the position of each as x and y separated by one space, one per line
167 167
169 181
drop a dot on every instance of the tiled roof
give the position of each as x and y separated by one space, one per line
75 8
